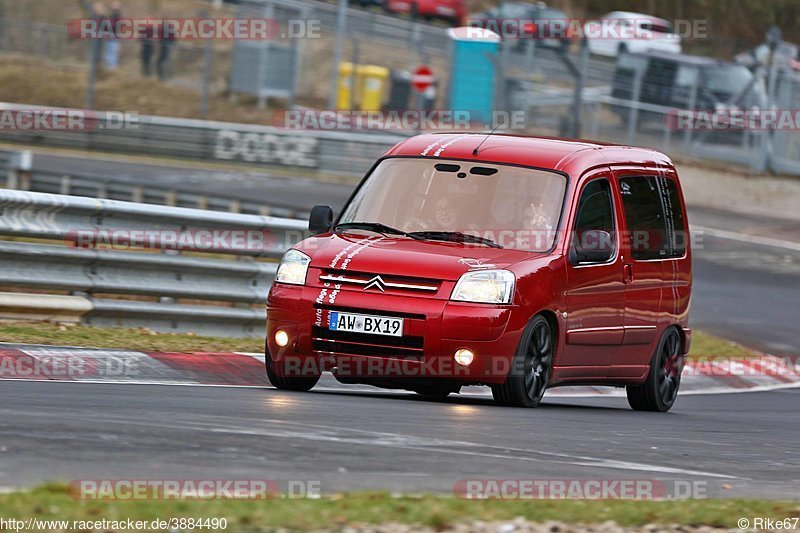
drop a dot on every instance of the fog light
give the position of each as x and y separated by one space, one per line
281 338
464 356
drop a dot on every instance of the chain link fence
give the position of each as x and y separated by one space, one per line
785 156
632 99
694 106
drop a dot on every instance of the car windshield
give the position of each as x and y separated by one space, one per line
514 207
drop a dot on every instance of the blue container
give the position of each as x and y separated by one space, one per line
472 81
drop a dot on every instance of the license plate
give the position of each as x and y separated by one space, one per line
375 325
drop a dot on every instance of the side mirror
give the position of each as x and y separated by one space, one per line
592 246
321 219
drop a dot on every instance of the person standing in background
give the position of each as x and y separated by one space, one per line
164 52
111 56
148 44
96 11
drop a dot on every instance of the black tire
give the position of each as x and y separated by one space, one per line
660 389
284 382
531 369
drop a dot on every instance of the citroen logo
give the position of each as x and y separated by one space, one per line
376 282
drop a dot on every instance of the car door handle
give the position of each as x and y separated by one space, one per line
627 273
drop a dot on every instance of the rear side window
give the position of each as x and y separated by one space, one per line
654 216
673 209
645 217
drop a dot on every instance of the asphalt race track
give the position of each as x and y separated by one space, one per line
742 444
745 290
281 191
736 444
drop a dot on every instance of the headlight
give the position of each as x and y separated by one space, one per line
293 268
485 286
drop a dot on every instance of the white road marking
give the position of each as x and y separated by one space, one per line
319 432
316 432
447 446
390 392
745 237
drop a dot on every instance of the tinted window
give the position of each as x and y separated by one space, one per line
595 211
676 226
645 217
656 27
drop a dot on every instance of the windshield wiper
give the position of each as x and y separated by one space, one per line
454 236
377 227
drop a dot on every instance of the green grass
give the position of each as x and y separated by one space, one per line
52 502
123 338
707 346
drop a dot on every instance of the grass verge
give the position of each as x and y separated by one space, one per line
704 345
439 512
39 82
123 338
709 346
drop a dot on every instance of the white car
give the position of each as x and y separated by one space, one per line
624 31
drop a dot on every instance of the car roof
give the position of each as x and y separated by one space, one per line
632 15
554 153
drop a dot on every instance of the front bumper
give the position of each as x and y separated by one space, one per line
433 330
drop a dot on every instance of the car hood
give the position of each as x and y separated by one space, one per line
401 256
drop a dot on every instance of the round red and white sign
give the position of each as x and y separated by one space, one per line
422 78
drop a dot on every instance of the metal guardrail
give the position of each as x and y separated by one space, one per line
157 286
24 177
325 152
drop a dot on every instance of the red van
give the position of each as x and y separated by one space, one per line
514 262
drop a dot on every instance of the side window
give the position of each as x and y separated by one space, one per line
595 214
676 226
645 217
